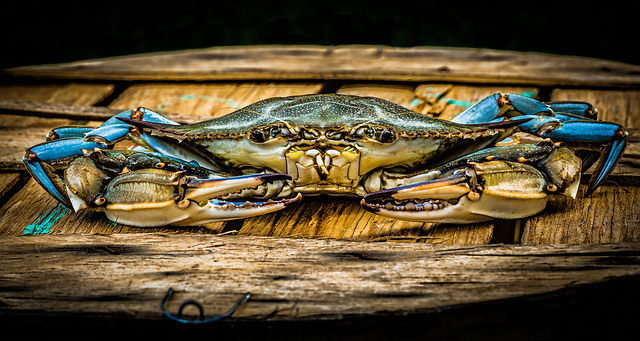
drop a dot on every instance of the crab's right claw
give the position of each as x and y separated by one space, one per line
151 189
480 191
201 201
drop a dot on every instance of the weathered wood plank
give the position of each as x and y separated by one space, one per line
20 108
73 93
7 182
288 278
207 100
18 132
610 215
417 64
24 108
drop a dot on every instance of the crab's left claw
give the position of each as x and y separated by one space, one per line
488 187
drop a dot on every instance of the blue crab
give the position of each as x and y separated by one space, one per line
265 156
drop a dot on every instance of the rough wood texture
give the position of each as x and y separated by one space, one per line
207 100
18 132
116 274
609 215
418 64
7 182
73 93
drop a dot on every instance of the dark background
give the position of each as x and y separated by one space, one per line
35 32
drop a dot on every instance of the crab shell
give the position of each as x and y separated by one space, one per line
329 144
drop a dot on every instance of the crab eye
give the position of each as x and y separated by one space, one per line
385 136
258 135
279 131
380 134
263 134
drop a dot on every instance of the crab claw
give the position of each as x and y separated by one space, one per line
201 201
150 189
481 191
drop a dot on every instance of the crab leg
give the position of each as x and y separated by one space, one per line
114 130
506 182
571 130
561 121
37 160
581 109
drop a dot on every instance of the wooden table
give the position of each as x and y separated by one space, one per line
324 260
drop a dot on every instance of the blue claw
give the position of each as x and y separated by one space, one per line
481 112
60 149
38 173
146 115
571 122
608 161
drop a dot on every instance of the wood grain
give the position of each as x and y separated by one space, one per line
609 215
72 93
416 64
206 99
288 278
7 182
18 132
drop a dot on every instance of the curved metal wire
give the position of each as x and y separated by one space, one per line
201 319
